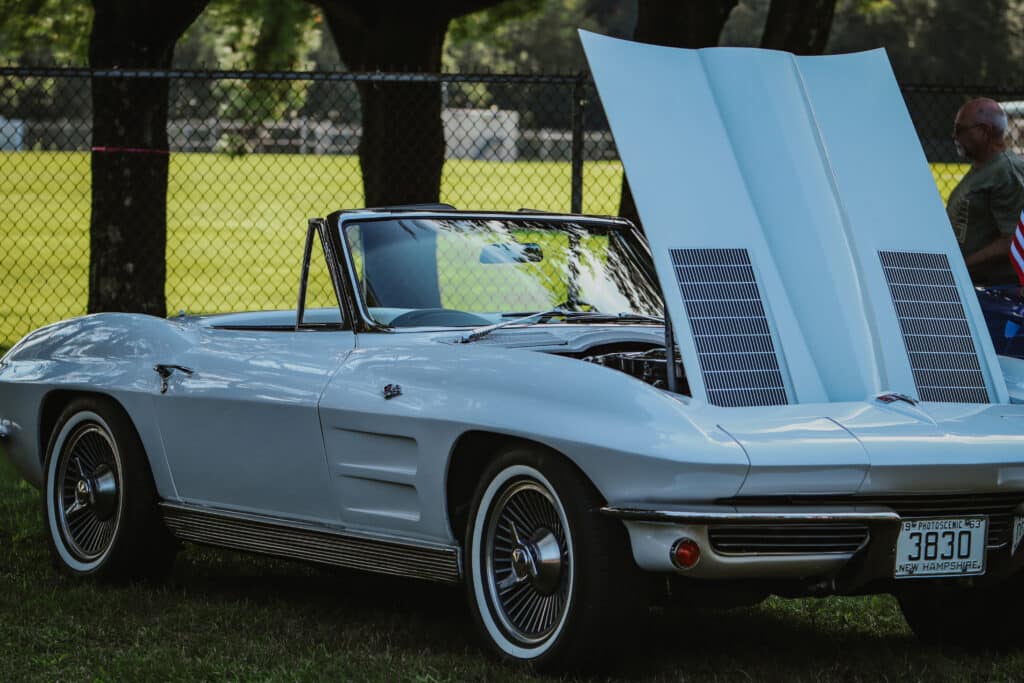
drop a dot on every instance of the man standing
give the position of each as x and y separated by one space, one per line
986 203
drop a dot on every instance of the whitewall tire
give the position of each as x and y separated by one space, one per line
99 500
548 578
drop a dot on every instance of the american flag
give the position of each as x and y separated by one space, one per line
1017 249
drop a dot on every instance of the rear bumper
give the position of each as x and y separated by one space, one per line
846 546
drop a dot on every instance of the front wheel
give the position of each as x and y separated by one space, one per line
549 579
99 500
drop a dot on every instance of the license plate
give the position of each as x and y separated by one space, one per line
929 548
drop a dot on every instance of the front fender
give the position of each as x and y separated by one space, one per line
110 354
634 442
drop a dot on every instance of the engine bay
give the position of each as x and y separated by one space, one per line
646 363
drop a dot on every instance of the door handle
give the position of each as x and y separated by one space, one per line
165 372
893 397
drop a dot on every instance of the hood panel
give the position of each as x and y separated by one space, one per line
802 455
870 448
763 152
973 448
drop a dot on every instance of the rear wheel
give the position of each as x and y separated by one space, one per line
99 500
549 580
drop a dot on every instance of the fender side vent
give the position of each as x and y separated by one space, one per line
730 330
936 334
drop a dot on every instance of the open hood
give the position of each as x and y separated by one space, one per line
800 241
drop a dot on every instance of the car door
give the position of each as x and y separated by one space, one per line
239 421
239 414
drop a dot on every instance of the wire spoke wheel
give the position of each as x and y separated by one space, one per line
549 580
527 561
87 494
99 496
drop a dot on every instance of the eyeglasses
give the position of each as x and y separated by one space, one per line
958 129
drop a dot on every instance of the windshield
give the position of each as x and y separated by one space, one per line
460 272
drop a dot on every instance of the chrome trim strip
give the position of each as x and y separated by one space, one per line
313 543
999 507
348 316
697 516
307 254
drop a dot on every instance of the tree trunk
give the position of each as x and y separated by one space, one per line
799 26
128 228
401 151
675 23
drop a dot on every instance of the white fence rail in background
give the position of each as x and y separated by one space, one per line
484 134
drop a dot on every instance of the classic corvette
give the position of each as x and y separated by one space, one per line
573 419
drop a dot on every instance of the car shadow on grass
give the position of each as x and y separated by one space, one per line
416 613
226 575
812 639
836 638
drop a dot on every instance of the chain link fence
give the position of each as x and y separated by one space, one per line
252 155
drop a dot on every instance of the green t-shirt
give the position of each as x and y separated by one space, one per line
985 205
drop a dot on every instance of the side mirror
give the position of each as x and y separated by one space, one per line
512 253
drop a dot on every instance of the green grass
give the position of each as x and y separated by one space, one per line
235 225
227 616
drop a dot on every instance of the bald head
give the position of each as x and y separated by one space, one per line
988 112
980 129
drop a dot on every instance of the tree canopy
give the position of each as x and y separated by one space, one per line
951 41
943 41
44 31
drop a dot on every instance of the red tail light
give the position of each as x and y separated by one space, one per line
685 553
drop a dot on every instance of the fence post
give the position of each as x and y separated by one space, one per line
576 202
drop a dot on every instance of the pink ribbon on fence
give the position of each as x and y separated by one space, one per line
131 150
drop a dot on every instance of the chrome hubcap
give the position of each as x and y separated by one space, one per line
538 561
528 562
87 496
83 492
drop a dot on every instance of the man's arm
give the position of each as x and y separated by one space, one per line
999 248
1006 197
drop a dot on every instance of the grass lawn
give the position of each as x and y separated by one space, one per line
223 615
235 225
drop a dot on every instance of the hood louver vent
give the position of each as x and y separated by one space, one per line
935 330
730 330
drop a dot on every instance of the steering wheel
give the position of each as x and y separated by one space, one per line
440 317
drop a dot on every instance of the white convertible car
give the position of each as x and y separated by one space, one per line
489 399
